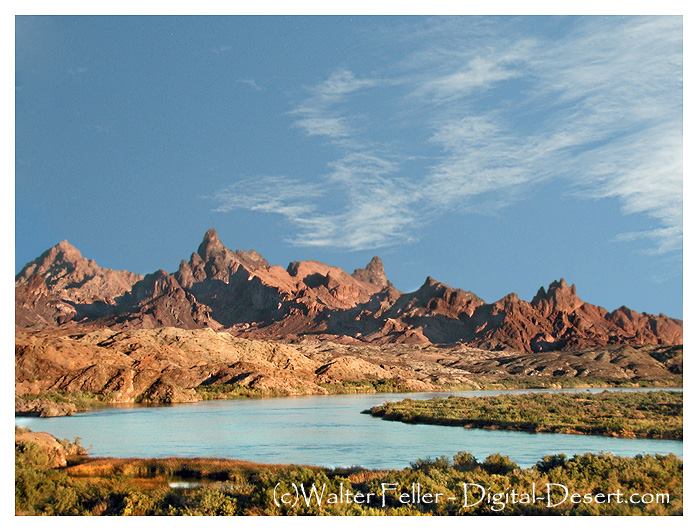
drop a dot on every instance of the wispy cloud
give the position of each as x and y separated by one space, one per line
321 113
643 171
609 102
468 72
359 205
270 194
249 82
361 202
596 106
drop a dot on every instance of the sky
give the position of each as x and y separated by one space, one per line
495 154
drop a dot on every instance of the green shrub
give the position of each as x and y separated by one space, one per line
496 464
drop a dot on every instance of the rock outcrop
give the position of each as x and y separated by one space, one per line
172 365
43 408
54 452
373 273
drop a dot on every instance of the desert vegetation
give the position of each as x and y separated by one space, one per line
542 382
94 486
619 414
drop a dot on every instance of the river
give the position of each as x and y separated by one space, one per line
320 430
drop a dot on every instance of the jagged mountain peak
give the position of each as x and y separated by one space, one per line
373 273
210 244
433 287
218 257
559 296
48 289
432 282
57 258
510 298
436 298
218 287
66 248
63 265
251 258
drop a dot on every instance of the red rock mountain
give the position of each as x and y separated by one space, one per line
54 287
241 292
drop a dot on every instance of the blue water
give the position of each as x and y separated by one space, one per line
321 430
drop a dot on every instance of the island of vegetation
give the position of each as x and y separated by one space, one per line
617 414
54 477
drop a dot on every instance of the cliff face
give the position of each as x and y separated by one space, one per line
240 291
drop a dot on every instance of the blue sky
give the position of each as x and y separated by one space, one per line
495 154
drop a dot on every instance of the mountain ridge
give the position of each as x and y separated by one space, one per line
239 291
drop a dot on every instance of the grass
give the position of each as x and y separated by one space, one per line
618 414
81 400
367 386
232 391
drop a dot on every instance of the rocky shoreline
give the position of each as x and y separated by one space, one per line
43 408
59 374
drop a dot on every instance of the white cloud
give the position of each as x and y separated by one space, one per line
339 84
643 171
360 203
597 106
251 83
320 114
610 98
374 210
480 71
269 194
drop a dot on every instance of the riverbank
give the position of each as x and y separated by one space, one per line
655 415
56 403
328 430
442 486
86 368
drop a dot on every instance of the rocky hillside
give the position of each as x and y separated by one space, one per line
239 291
168 365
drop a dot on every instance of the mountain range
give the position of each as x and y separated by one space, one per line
241 293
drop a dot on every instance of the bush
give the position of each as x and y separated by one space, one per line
547 463
141 488
210 501
441 463
464 461
496 464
